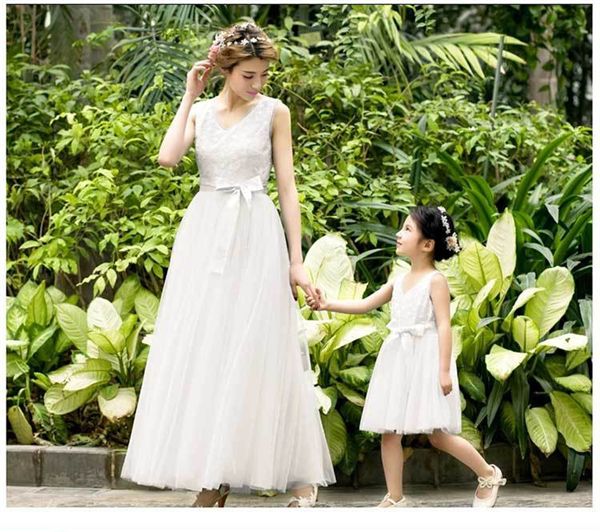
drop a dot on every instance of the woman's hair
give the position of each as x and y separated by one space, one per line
436 224
239 42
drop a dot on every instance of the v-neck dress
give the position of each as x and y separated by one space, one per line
226 396
405 395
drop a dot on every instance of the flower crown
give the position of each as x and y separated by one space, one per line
451 239
221 38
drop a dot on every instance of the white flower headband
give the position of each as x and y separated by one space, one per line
451 239
222 36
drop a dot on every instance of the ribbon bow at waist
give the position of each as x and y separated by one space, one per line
229 215
408 333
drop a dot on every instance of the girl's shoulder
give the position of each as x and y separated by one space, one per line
437 280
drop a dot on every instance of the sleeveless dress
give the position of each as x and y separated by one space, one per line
226 397
405 395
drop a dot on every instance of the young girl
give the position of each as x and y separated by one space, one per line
414 386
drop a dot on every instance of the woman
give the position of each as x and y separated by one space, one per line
225 400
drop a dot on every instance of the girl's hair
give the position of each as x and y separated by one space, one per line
242 41
436 224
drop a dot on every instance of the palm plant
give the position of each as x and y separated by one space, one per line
375 35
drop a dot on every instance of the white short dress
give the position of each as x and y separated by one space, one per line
404 394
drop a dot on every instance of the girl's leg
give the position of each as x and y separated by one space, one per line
393 463
462 450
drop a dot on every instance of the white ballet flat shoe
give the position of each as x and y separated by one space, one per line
388 502
493 482
305 502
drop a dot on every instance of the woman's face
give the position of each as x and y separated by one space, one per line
248 77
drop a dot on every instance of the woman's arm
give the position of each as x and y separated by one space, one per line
440 297
361 306
283 161
180 135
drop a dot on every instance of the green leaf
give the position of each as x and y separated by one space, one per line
38 311
127 293
73 321
502 241
328 264
121 405
20 425
15 366
507 421
356 376
548 307
352 395
533 174
575 383
482 266
502 362
58 401
336 435
41 339
585 400
112 342
541 429
350 331
473 385
102 314
525 333
470 433
566 342
146 307
572 422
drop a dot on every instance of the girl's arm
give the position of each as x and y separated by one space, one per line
440 296
361 306
180 135
283 161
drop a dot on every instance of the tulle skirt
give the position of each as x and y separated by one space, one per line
405 395
225 397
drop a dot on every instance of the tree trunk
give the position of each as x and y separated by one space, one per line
75 22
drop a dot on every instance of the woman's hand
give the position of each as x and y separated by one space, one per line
195 85
445 382
299 277
317 304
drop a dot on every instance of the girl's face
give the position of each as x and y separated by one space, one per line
410 241
248 77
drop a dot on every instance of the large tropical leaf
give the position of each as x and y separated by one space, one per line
572 421
546 308
541 429
58 401
336 434
73 321
121 405
482 266
502 362
502 241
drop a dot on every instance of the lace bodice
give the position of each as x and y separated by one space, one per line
413 307
238 153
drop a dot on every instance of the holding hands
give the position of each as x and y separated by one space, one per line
317 303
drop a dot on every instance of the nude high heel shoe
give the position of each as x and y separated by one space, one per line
209 498
305 502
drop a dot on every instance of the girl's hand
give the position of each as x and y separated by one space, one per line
194 84
317 304
298 277
445 382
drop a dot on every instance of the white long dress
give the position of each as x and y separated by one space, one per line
404 394
225 396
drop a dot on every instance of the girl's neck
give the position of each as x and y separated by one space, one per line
420 265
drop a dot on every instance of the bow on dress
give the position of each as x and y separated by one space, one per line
408 333
230 214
